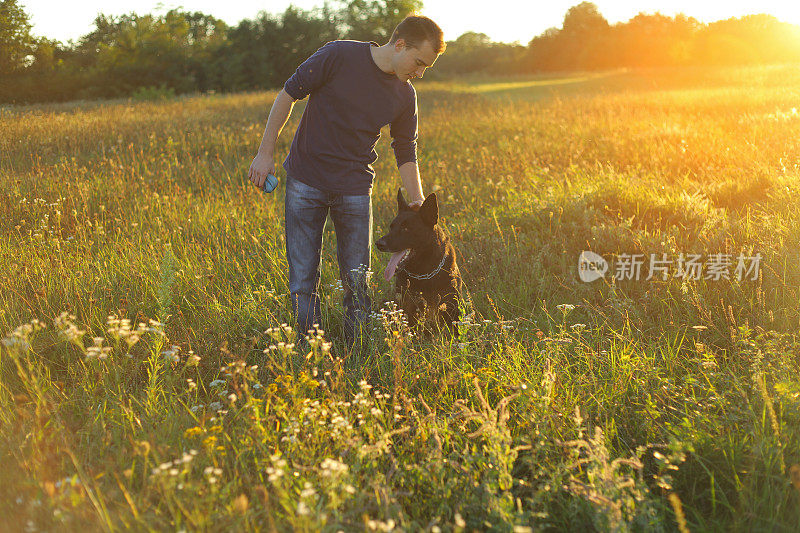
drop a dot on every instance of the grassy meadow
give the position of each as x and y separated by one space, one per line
148 380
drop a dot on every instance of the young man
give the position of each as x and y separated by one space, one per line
355 88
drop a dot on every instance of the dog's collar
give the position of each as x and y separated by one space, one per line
429 275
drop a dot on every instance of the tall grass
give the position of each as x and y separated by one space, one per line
148 380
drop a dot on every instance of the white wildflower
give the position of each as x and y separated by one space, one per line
378 525
193 359
97 351
171 354
332 467
307 491
67 329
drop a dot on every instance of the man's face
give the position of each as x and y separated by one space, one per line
410 62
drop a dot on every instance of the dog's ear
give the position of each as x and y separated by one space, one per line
429 211
402 205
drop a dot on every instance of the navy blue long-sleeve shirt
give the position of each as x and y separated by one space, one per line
350 100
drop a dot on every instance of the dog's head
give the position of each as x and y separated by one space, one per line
411 229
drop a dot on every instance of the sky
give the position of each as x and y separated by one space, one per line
501 20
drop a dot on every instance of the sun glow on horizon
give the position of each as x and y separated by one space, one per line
505 21
528 22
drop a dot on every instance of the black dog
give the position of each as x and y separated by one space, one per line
428 285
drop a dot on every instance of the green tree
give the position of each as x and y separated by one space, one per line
581 43
374 20
654 40
16 42
583 36
129 51
584 20
542 53
476 52
749 39
264 52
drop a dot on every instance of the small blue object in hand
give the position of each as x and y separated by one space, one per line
270 183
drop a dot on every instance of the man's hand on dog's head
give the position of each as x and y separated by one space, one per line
415 205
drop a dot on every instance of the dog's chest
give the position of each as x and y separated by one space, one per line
425 305
425 299
429 289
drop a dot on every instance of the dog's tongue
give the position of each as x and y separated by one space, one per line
393 262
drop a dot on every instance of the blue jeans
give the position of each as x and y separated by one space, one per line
306 213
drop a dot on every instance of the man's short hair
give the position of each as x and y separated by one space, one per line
415 30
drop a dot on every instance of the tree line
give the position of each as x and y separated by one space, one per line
586 41
182 51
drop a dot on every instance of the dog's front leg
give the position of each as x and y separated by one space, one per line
408 305
450 313
411 311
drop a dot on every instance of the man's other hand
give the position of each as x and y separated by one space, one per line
416 204
261 166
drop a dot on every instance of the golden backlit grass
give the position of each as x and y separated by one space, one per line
143 211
